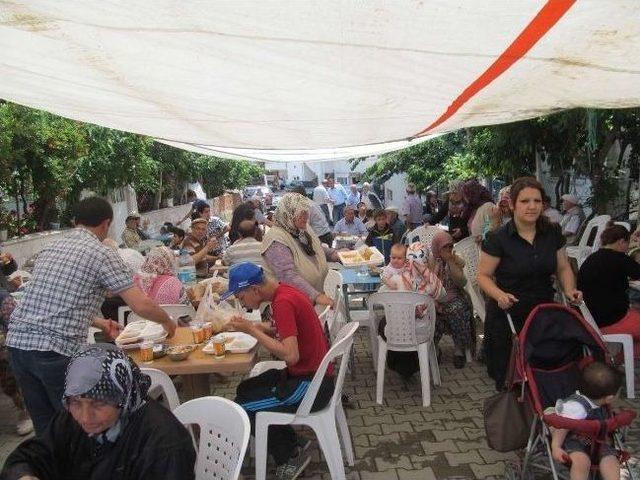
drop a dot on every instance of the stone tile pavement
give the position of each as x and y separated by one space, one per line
399 440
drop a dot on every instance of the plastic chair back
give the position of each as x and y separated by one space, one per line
332 282
162 386
176 311
224 435
469 251
598 223
400 313
422 234
341 348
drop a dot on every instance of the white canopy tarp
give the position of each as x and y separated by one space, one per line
292 80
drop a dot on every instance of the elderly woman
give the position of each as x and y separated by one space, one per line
293 252
454 313
109 429
157 277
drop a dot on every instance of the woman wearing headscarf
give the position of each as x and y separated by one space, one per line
478 207
157 277
293 252
108 430
454 313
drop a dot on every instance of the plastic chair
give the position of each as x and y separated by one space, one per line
399 311
469 251
422 234
582 250
623 339
175 311
162 386
224 435
323 422
332 287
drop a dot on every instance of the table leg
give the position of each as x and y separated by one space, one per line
347 308
196 386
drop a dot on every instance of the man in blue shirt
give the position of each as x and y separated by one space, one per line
350 224
339 196
353 199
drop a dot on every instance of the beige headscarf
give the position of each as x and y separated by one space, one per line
290 206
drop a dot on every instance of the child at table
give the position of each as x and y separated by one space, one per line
381 236
415 277
392 274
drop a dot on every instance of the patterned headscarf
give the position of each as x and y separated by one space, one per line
159 261
290 206
418 277
441 239
104 373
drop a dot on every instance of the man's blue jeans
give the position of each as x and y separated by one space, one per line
40 376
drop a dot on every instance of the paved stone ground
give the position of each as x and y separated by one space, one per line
400 439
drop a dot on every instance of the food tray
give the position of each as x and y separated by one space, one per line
355 259
235 342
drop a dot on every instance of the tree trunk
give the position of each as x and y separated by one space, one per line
158 196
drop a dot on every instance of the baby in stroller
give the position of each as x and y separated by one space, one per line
598 387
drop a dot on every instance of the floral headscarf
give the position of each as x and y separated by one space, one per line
418 277
290 206
104 373
504 197
159 261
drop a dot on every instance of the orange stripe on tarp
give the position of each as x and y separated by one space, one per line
546 18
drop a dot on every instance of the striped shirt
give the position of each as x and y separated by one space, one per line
69 282
243 250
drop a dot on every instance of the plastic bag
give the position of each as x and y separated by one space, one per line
218 314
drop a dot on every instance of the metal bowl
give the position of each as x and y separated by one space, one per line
179 352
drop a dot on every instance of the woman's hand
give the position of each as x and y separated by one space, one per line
323 299
506 300
574 296
559 455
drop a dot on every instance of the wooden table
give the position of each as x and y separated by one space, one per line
196 368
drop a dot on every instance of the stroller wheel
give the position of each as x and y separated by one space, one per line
513 471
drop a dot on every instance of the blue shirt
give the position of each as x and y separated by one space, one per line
353 199
338 194
354 228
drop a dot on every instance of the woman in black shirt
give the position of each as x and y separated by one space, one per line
604 279
516 267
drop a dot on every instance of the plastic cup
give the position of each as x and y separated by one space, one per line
219 348
146 352
198 333
208 330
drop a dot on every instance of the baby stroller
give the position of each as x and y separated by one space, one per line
554 345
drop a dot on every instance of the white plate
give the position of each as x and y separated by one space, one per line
237 342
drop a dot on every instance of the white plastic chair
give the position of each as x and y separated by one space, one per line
469 251
326 422
332 287
626 225
399 311
224 435
175 311
625 340
424 234
162 386
581 251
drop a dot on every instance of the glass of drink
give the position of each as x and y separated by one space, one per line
208 330
198 333
218 347
146 352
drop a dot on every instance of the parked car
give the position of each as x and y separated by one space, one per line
260 191
308 185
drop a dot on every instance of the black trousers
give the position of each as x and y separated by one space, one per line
276 391
497 335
